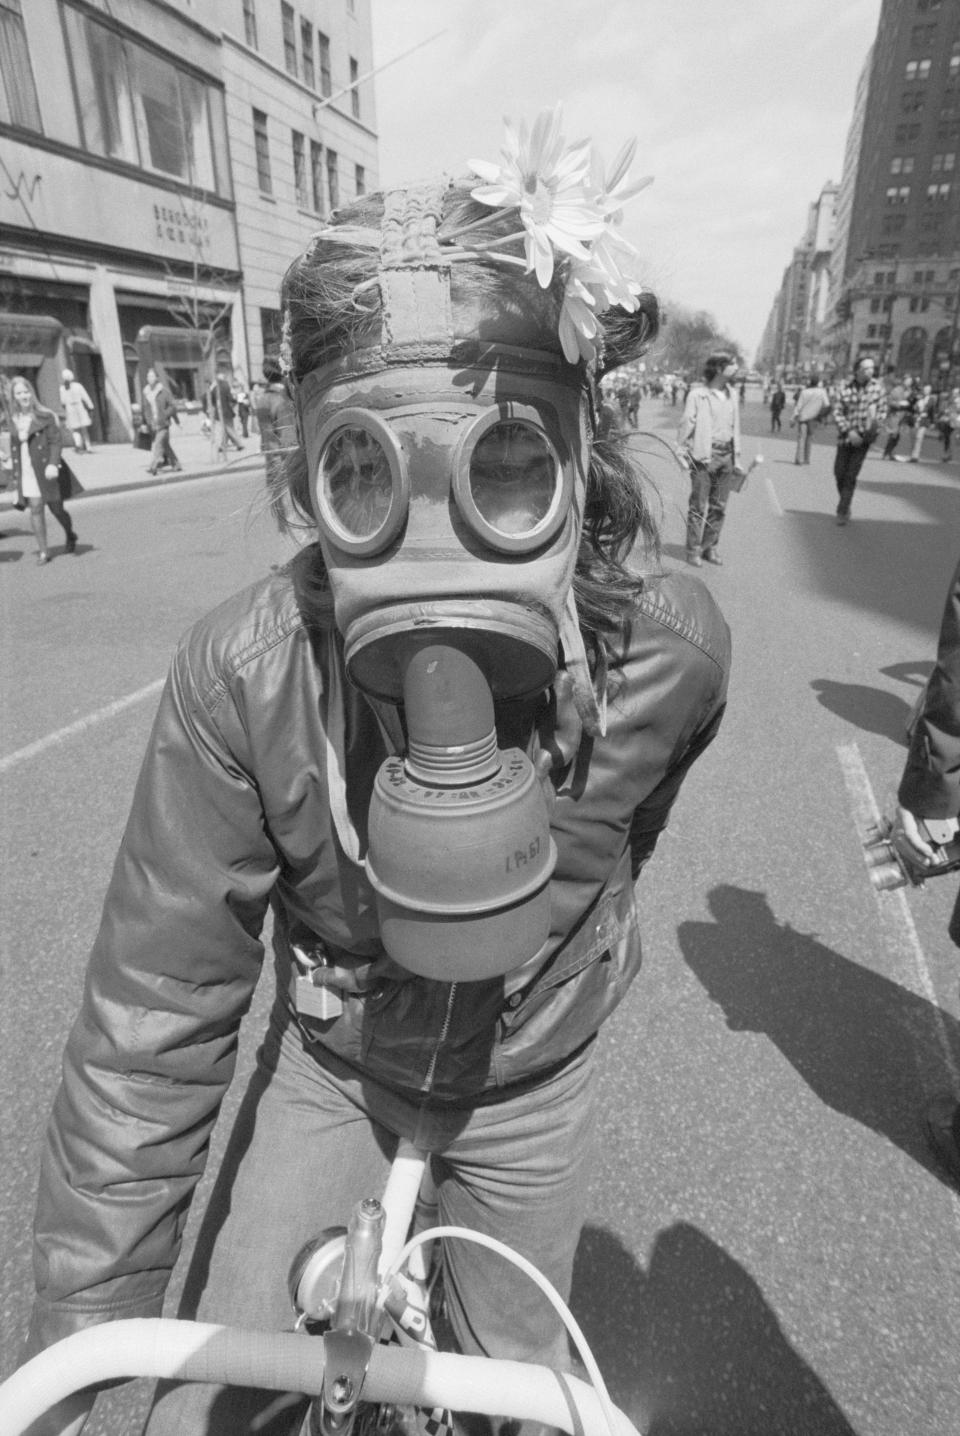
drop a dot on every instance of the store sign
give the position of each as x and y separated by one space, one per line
59 195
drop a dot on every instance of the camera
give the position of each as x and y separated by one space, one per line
893 866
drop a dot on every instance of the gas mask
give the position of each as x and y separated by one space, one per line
448 476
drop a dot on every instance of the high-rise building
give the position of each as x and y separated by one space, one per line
793 339
895 280
162 165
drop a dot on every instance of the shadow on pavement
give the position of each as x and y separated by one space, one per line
691 1346
872 710
900 571
867 1047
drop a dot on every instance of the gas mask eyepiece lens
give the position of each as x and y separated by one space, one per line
362 489
510 484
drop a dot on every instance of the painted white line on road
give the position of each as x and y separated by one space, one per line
63 735
894 903
774 501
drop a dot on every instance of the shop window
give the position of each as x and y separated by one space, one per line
261 145
250 23
136 106
316 175
359 180
354 89
306 54
289 38
333 178
300 169
18 94
323 50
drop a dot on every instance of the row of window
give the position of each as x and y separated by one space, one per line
915 70
936 194
913 102
940 163
306 52
316 170
946 130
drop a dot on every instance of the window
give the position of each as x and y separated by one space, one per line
917 70
250 23
333 178
300 169
911 102
922 35
261 145
901 164
898 195
904 134
306 54
271 330
359 180
875 306
289 38
943 162
954 60
136 106
316 175
323 45
18 95
354 89
871 331
937 193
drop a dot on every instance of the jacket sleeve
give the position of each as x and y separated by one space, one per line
930 786
153 1048
688 422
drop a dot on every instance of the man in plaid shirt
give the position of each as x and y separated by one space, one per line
859 409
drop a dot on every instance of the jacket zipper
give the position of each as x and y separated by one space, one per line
427 1085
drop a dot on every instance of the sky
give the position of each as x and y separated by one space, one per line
740 109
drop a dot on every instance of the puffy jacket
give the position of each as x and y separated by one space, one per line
230 814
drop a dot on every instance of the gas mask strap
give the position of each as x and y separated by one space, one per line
593 713
337 762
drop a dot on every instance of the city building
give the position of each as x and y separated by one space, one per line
162 165
895 281
794 337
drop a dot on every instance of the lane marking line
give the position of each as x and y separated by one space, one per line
893 903
775 502
72 730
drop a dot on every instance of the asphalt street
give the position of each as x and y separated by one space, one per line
770 1248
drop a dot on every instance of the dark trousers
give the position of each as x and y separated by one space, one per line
709 491
846 470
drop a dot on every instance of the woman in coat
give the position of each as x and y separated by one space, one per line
35 445
77 409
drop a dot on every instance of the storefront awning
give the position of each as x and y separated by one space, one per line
27 339
168 345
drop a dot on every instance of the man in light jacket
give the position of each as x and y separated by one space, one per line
709 437
812 403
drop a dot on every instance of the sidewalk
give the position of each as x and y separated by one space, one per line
115 467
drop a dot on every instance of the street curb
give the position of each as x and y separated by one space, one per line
247 466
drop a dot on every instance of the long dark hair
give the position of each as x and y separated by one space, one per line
332 305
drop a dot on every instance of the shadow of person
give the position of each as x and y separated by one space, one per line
866 1046
690 1347
915 671
871 709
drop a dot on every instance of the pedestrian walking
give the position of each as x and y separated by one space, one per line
42 478
859 409
277 421
948 421
897 406
77 411
281 708
812 404
160 412
222 412
709 437
925 420
778 400
929 791
242 399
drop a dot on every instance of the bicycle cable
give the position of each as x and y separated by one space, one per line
549 1290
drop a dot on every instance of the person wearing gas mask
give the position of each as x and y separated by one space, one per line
439 747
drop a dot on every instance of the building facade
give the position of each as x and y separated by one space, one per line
896 281
162 165
794 336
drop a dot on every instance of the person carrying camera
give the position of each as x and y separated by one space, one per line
930 792
860 408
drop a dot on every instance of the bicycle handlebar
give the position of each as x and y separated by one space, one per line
281 1361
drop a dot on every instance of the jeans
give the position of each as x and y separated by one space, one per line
312 1138
161 451
846 469
709 491
804 441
